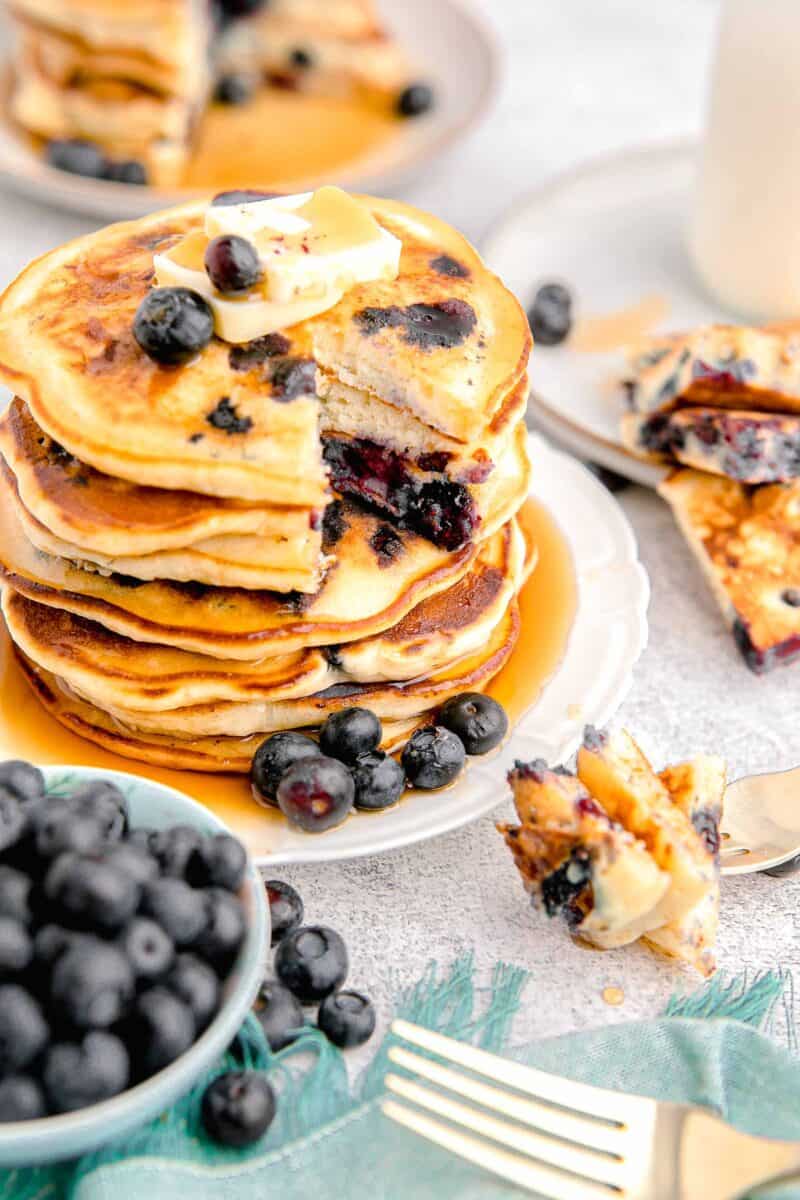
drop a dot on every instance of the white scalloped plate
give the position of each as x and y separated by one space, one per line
449 41
608 635
613 230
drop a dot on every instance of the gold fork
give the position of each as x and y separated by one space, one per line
570 1141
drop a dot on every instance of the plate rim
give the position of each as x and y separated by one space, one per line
92 197
589 580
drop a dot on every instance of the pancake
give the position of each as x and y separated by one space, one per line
444 345
752 447
381 573
720 366
110 670
114 516
210 754
231 560
394 701
747 542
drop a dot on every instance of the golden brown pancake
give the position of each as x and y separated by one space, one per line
212 754
110 670
444 344
114 516
747 541
380 575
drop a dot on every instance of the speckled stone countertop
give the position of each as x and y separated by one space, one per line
583 77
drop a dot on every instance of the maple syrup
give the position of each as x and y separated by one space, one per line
282 138
547 604
615 330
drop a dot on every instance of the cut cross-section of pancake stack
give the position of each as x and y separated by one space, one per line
196 556
723 405
134 76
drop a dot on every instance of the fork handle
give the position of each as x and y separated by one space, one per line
720 1163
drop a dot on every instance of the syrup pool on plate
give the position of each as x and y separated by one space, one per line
547 606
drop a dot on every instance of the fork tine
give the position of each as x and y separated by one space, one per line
594 1167
595 1104
566 1125
551 1184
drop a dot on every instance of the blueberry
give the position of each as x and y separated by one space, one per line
550 315
23 1029
90 892
379 781
235 89
106 803
15 889
147 948
433 757
172 325
415 100
21 1099
161 1029
23 779
174 847
224 931
279 1013
285 908
77 157
238 1108
77 1074
272 760
16 946
350 733
347 1019
311 962
479 721
196 984
132 859
316 794
50 942
91 984
129 170
13 819
60 829
178 909
140 838
219 861
232 263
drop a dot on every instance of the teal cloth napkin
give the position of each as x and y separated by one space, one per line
709 1049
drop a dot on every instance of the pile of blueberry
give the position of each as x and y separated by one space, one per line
86 158
316 785
114 942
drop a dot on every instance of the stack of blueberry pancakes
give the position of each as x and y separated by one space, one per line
722 405
264 461
129 79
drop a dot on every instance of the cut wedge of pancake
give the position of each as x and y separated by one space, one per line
117 517
619 777
110 670
747 542
444 346
230 560
211 754
380 575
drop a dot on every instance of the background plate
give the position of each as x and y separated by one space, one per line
613 231
607 637
453 47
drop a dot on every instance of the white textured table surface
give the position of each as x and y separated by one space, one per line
583 77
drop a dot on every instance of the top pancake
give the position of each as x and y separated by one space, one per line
445 343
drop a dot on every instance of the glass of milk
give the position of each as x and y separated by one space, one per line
744 235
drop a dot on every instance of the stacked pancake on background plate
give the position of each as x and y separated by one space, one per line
196 556
723 405
134 76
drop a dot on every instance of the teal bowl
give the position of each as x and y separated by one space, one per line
27 1143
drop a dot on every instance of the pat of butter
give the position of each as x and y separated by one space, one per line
313 247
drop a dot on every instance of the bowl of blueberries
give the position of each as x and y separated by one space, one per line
134 933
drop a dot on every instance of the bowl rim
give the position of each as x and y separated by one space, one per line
179 1076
